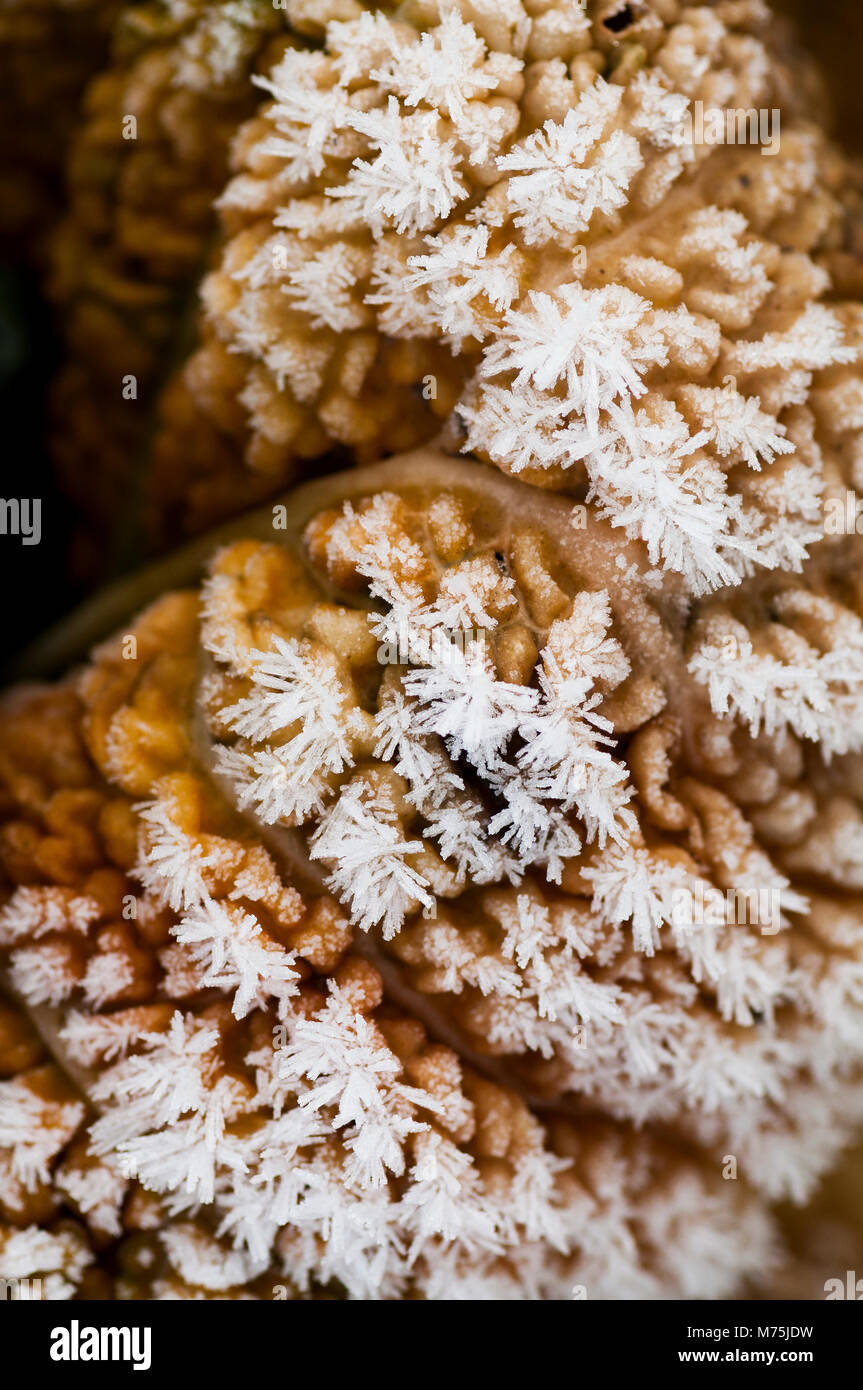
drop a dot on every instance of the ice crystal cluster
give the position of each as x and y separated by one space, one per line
429 207
450 887
363 913
491 219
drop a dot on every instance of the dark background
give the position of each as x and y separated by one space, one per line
36 588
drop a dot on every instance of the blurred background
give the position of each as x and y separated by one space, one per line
832 32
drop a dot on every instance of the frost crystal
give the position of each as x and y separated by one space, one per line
566 173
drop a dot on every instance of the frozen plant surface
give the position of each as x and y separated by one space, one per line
363 911
424 212
492 220
433 897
